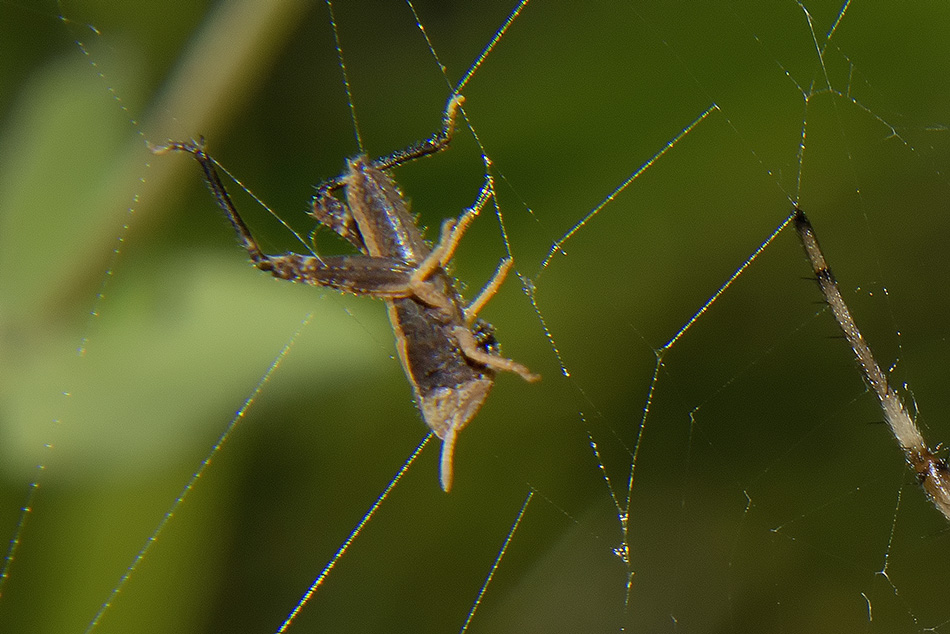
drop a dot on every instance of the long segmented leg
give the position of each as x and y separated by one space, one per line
433 145
358 274
442 253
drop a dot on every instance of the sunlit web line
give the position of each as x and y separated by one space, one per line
222 439
501 553
623 506
312 590
722 289
820 47
834 27
530 284
661 351
821 44
80 43
346 77
883 572
557 246
807 94
481 57
130 210
94 312
491 45
486 51
247 190
622 551
25 512
604 474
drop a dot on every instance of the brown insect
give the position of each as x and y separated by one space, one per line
449 355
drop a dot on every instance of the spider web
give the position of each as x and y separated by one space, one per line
683 464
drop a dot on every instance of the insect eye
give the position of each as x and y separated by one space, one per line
485 336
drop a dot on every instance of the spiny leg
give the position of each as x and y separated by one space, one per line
221 196
434 144
357 274
332 213
472 310
932 472
449 238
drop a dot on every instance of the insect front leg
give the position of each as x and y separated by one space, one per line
496 362
434 144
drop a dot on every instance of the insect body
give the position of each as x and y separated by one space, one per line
449 355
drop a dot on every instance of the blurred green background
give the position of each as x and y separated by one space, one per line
766 498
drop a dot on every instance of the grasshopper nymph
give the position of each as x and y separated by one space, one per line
449 355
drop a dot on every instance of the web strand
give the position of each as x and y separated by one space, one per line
660 382
345 546
196 476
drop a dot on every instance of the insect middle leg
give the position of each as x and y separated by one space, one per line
451 234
